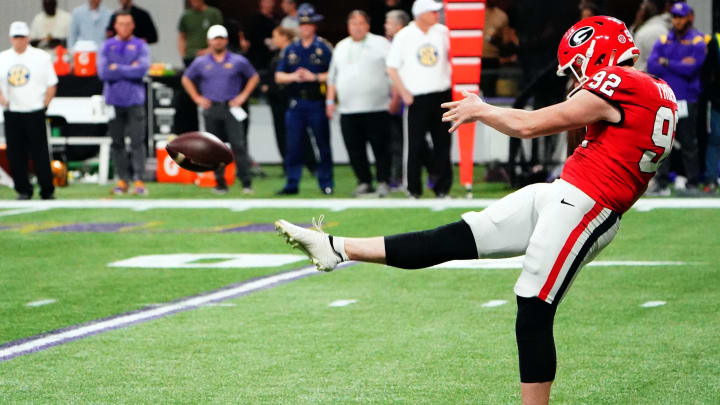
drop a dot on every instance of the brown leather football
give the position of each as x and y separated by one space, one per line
199 151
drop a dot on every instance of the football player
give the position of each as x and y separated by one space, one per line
630 119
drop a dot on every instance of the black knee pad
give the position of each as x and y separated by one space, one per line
417 250
536 345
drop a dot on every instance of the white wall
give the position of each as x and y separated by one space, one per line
165 13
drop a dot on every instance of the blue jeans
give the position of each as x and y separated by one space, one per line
713 147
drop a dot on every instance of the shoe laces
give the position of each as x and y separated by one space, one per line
317 225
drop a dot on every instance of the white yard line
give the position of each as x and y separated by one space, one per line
20 211
494 303
644 204
40 303
653 304
341 303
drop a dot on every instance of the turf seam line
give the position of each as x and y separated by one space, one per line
58 337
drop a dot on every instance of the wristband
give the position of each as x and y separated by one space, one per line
329 102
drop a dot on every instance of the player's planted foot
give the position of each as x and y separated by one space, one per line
315 243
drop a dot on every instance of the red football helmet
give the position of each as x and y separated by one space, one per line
592 44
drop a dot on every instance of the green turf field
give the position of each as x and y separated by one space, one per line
411 336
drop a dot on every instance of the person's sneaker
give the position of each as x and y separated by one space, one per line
48 197
139 188
362 190
248 191
658 191
121 187
313 242
327 191
23 197
383 190
710 189
691 190
220 189
287 191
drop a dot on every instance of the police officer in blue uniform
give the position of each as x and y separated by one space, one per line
303 66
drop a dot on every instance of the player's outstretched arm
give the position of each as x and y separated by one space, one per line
582 109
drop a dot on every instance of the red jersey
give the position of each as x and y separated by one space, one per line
615 162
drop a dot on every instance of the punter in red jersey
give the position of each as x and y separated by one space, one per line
559 227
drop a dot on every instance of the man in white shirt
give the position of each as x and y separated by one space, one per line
419 66
89 23
358 77
27 86
50 27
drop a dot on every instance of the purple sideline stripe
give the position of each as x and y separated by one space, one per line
91 227
61 336
258 228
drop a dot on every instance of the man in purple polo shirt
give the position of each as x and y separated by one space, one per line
225 81
678 58
123 62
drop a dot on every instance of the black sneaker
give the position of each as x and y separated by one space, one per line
220 189
50 197
22 197
286 191
328 191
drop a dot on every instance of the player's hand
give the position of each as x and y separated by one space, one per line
202 102
688 60
113 66
3 101
462 111
663 61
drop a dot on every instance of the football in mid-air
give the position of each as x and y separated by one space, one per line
199 151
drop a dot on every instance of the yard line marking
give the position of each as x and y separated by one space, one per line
219 304
338 204
653 304
40 303
494 303
342 303
208 261
517 261
20 211
33 344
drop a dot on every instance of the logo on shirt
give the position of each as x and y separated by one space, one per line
428 55
18 76
131 47
228 65
581 36
293 58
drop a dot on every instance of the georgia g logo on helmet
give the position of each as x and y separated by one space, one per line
581 36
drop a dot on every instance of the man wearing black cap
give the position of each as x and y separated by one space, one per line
26 89
303 66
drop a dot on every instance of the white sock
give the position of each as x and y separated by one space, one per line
338 245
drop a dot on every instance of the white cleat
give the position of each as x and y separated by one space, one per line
315 243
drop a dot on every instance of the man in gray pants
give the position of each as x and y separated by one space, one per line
124 60
225 81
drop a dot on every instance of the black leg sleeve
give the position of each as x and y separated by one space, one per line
535 341
417 250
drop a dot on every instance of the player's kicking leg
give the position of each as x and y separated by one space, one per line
415 250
